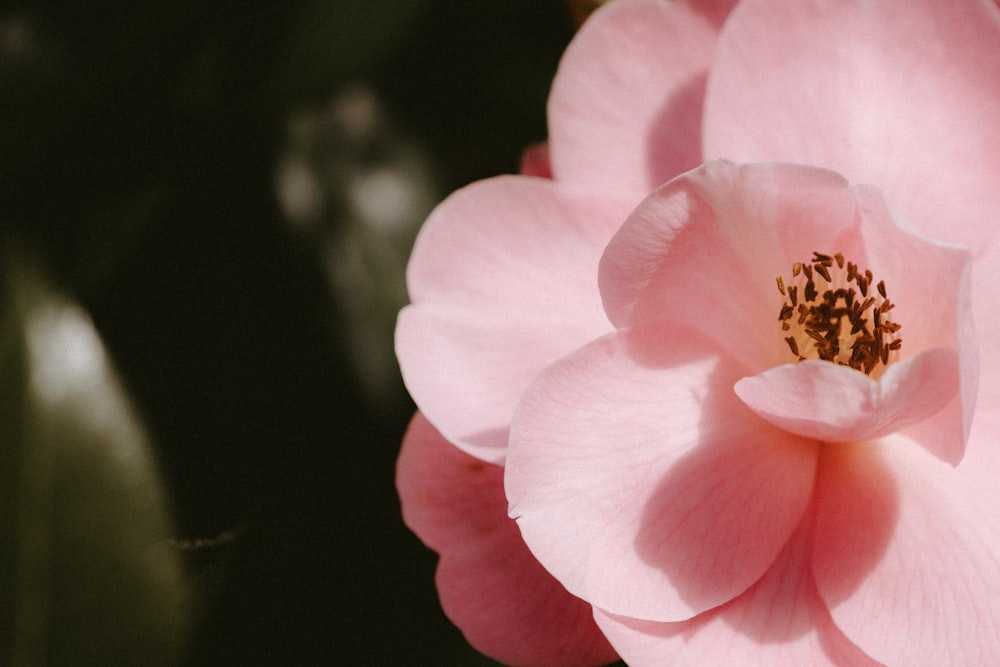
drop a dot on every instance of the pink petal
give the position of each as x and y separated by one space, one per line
535 161
625 108
490 585
980 469
902 95
929 282
706 248
988 331
907 555
643 484
825 401
503 281
781 620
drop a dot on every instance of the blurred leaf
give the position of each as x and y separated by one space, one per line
88 575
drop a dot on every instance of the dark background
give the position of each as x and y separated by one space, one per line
140 147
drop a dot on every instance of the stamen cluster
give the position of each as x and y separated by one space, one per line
834 318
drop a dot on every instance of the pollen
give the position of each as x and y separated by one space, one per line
834 311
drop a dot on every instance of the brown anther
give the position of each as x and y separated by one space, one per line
869 363
811 292
792 345
823 271
835 321
816 336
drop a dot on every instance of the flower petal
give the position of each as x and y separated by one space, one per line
919 585
902 95
502 281
929 283
535 161
490 585
643 485
781 620
826 401
907 102
654 55
705 249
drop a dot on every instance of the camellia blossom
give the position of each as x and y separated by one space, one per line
725 352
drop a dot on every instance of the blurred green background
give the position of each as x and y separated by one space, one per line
227 192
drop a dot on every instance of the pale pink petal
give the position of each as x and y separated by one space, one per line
980 468
988 332
502 281
705 250
625 108
929 283
643 484
780 621
825 401
707 247
907 555
490 585
902 95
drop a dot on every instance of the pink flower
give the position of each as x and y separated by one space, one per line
617 337
491 586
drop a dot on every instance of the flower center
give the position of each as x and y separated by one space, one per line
835 312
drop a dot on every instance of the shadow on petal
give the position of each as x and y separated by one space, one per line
670 149
780 620
857 510
490 439
723 512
